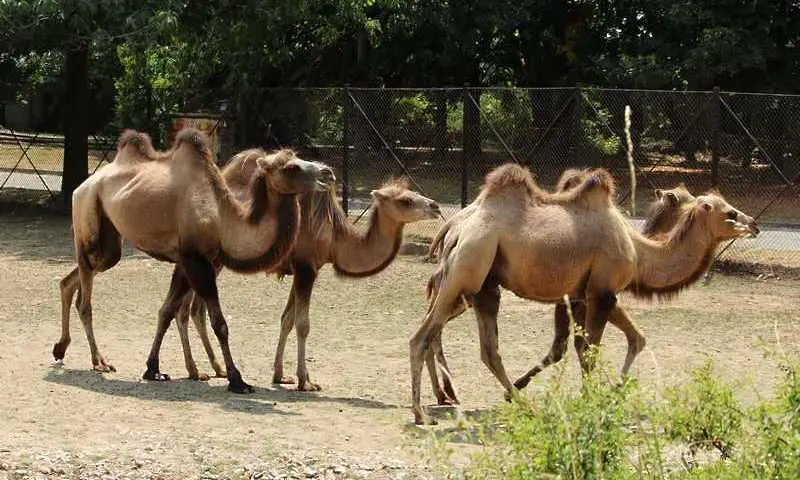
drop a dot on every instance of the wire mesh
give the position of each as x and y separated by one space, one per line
446 139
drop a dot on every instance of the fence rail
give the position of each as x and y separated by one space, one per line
445 140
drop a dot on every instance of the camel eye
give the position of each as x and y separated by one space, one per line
732 214
406 202
293 168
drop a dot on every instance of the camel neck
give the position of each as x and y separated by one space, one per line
261 236
666 267
359 254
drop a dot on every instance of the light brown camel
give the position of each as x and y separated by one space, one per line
662 216
176 207
326 236
542 250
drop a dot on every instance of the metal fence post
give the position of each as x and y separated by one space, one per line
469 140
715 127
346 114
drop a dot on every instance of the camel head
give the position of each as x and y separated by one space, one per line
287 173
402 204
675 197
724 222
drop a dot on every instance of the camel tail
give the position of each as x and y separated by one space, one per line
438 241
140 140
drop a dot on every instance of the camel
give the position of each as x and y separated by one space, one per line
662 216
175 207
325 237
543 250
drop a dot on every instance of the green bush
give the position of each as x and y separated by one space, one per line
705 413
620 431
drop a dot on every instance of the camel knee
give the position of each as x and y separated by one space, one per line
606 302
220 327
639 343
302 328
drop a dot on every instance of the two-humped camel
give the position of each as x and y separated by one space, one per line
662 216
543 246
176 207
326 236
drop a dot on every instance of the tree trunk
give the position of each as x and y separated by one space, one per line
76 141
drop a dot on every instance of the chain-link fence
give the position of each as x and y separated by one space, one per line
446 139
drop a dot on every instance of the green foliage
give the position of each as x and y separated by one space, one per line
623 432
705 413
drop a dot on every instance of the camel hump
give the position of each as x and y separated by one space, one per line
194 138
140 140
571 178
597 180
509 176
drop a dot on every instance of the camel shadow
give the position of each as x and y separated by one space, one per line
457 426
262 401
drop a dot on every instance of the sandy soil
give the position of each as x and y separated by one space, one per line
69 422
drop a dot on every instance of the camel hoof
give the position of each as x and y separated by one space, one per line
283 380
240 387
200 377
425 421
447 401
308 386
104 368
59 351
155 376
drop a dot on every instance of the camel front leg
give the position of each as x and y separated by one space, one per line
636 342
203 280
68 285
197 310
287 324
182 319
178 288
304 277
486 304
598 308
559 346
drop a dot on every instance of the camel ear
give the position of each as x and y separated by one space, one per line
704 207
378 195
672 198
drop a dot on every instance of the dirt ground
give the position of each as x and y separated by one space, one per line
69 422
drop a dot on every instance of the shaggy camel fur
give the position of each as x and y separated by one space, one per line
326 236
662 216
542 250
176 207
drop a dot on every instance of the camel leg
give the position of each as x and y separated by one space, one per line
486 304
444 392
178 288
203 279
598 308
287 324
198 313
69 285
86 277
636 341
419 346
182 319
557 349
304 277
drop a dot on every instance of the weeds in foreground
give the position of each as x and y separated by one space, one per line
620 431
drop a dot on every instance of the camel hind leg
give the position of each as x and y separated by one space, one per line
98 256
197 311
68 285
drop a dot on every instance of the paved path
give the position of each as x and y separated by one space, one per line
771 238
